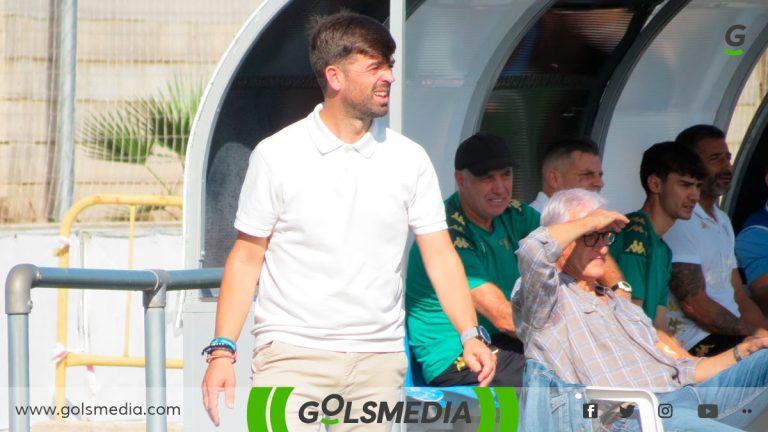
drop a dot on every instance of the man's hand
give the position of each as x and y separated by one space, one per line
480 360
219 377
602 219
751 345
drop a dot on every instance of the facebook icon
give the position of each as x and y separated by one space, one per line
590 410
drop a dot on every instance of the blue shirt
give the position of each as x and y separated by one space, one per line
752 245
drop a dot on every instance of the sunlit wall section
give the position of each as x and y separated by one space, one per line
681 79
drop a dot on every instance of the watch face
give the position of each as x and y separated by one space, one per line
483 333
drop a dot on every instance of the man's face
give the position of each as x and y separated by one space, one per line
582 261
487 196
367 80
678 195
585 171
716 157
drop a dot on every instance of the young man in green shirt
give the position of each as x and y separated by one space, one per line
485 225
671 176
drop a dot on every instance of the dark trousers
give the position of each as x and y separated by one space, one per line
510 362
714 344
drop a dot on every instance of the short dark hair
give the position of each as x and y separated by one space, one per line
563 148
690 137
335 37
665 158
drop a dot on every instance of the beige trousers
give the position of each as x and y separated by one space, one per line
315 374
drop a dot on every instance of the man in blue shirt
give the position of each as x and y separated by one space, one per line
752 253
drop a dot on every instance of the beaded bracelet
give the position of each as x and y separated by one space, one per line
220 343
232 357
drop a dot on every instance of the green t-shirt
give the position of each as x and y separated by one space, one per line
645 260
486 256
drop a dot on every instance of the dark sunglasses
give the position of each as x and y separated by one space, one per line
591 239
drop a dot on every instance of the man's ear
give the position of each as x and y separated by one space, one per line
654 183
553 178
459 177
334 77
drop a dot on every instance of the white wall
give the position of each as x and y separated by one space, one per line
96 318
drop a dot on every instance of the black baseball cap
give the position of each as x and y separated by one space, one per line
483 152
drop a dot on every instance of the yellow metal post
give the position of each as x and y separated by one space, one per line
63 302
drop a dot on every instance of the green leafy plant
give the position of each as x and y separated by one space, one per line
138 129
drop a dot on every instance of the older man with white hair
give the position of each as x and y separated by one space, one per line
587 335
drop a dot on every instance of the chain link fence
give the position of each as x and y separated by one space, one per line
141 69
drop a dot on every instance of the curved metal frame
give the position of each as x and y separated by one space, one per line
740 78
201 134
756 130
490 74
624 70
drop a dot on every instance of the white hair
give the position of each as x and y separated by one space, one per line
570 204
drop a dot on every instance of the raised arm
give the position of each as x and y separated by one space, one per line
538 254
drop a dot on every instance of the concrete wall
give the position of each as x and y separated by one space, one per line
97 319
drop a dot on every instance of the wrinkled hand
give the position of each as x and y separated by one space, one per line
220 377
601 219
752 344
480 360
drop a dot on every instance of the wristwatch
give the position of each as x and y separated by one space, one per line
478 332
624 286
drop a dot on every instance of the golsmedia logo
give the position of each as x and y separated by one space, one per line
735 37
266 410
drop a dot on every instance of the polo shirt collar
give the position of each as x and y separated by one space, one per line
702 214
326 141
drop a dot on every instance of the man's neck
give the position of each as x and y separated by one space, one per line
707 202
660 220
345 127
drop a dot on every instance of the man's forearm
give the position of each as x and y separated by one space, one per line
714 318
711 366
491 303
688 286
446 273
238 285
749 311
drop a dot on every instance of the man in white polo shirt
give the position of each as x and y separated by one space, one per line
709 311
567 164
323 218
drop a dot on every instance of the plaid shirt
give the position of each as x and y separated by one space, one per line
579 337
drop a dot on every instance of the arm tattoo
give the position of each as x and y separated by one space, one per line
686 280
727 323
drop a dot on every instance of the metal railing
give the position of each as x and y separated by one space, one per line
153 283
62 320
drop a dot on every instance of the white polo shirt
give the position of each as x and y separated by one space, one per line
541 200
710 243
338 215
